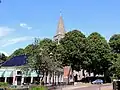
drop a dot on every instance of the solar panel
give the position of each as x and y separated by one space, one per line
16 61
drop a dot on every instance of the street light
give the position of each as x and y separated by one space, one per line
51 55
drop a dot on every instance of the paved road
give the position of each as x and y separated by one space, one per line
88 88
95 88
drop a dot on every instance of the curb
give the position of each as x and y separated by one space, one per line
72 87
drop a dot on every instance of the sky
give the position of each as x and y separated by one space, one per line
23 20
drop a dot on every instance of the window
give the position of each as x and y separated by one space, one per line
19 72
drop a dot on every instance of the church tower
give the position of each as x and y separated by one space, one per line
60 30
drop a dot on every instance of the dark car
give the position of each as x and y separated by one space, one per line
98 81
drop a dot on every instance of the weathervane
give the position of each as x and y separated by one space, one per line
60 12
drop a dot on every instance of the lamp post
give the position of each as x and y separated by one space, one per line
51 56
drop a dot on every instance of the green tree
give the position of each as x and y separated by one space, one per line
98 53
28 49
3 57
17 52
114 43
74 45
113 69
47 44
117 67
41 60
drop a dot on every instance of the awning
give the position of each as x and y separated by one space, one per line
30 74
8 73
34 74
26 74
1 73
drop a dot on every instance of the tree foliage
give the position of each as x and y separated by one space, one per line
74 49
93 53
17 52
98 53
114 43
28 49
42 57
2 57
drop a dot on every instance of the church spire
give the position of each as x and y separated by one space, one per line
60 29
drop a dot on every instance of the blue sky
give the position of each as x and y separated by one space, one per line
22 20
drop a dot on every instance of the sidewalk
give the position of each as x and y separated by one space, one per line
107 88
82 85
71 87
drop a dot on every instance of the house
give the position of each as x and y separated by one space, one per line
12 73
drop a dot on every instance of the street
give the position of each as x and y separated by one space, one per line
87 87
95 87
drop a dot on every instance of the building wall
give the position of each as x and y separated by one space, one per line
21 77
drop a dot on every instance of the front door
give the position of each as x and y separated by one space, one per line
19 78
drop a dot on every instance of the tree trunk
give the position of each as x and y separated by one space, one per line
105 76
58 78
43 76
94 74
46 77
50 77
53 77
42 81
38 79
73 76
84 73
94 77
90 72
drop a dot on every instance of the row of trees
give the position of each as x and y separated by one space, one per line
92 53
42 57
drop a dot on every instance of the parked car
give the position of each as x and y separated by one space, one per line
98 81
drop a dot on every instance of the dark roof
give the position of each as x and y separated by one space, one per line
1 63
16 61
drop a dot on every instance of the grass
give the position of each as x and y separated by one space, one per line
39 88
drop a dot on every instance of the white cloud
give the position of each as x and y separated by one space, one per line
24 25
16 40
4 31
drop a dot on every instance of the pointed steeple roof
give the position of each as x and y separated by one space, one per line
60 27
60 30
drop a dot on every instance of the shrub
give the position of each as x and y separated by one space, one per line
39 88
3 84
